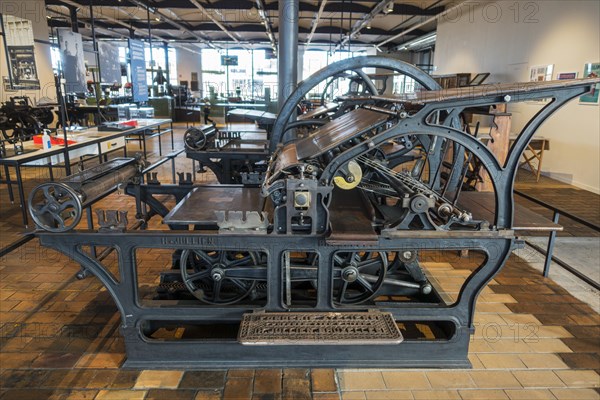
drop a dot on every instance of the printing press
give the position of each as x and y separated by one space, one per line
328 258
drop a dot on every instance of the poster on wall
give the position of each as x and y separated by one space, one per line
540 73
561 76
110 68
137 60
20 56
591 70
73 64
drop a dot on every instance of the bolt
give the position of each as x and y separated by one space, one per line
216 276
407 254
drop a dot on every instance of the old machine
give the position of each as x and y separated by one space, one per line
337 257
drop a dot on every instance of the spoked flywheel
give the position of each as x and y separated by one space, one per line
357 276
219 277
55 207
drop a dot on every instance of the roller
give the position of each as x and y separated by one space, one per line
58 206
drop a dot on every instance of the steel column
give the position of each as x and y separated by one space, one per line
288 49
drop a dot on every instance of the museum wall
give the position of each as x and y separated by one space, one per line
35 11
505 40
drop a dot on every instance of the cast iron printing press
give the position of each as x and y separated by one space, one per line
330 254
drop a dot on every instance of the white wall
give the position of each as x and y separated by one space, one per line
494 37
35 11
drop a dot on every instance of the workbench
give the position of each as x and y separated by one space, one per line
88 143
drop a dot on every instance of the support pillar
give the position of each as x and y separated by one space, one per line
288 49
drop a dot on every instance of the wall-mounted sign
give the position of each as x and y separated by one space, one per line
229 60
137 61
73 63
20 57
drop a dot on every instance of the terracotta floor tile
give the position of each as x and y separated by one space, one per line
295 373
103 379
498 308
501 361
494 394
158 379
121 395
56 360
326 396
170 394
579 378
541 361
529 394
296 389
240 373
510 346
538 379
521 319
27 394
361 381
494 380
406 380
203 379
100 360
450 380
354 396
323 380
389 395
436 395
17 360
80 395
575 394
549 346
238 388
125 379
267 381
581 360
208 395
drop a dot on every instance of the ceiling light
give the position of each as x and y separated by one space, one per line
369 26
157 19
389 8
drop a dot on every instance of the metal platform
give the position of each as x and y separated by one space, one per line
333 328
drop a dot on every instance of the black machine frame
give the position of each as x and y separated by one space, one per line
494 242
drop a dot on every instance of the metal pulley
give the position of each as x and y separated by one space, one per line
349 176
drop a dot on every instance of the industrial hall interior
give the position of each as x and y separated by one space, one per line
299 199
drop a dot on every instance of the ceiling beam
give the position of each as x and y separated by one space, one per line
316 21
414 27
213 19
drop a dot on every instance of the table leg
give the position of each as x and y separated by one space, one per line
172 138
11 195
22 196
550 248
159 142
540 158
144 144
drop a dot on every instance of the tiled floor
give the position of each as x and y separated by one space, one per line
59 339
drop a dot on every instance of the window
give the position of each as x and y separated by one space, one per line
158 60
253 73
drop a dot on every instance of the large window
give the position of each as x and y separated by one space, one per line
254 72
159 60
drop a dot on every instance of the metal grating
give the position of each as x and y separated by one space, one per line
314 328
